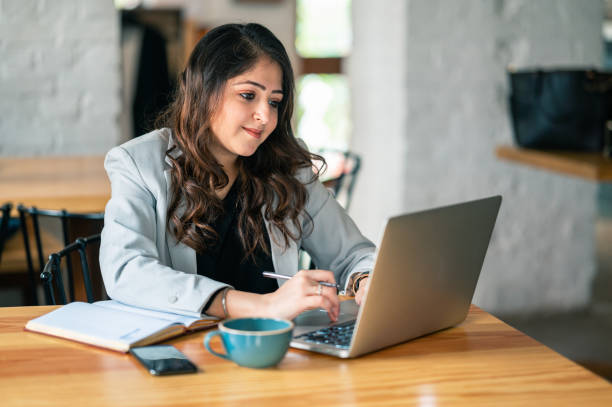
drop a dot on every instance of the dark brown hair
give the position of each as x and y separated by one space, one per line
267 178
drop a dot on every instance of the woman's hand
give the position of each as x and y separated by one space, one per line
364 285
303 292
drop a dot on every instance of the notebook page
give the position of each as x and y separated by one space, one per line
100 326
167 316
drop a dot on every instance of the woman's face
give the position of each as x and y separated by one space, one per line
248 111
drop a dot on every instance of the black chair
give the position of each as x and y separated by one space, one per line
345 166
71 225
52 272
5 210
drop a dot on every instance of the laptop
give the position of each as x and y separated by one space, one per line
426 270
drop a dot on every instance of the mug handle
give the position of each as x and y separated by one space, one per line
207 339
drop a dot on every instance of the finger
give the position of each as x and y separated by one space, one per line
313 288
362 291
359 296
313 302
309 284
330 298
319 275
331 295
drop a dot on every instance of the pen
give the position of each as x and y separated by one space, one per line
284 277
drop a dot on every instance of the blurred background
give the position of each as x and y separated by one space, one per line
418 89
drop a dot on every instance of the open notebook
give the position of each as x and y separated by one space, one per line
113 325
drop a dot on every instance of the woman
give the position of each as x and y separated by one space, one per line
200 209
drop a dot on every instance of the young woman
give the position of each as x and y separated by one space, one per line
201 208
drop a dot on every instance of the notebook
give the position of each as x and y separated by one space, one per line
113 325
426 270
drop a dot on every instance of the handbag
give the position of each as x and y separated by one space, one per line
561 109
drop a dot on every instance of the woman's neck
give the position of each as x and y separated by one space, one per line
232 173
229 164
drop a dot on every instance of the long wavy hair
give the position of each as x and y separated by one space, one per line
265 179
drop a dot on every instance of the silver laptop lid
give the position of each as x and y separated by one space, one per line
426 271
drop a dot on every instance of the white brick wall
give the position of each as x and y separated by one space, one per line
429 108
59 77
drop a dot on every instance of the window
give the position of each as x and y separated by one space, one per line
323 28
323 39
323 111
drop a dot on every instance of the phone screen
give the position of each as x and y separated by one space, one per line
163 360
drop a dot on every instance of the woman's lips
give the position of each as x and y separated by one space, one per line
253 132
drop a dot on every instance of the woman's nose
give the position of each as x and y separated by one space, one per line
262 114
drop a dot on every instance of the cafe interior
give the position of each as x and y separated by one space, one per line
409 101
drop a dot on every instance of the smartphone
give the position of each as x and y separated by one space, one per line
163 360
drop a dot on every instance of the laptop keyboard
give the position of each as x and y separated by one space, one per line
336 335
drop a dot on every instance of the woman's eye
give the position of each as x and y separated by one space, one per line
275 103
247 96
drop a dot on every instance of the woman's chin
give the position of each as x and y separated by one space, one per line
248 151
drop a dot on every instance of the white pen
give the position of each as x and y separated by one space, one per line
269 274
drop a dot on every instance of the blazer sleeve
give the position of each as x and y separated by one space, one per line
335 243
133 245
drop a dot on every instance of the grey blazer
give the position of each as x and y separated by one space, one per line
142 264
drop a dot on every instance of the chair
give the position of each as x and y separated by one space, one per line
71 225
53 271
5 210
343 167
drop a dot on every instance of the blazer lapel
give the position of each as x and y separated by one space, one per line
285 260
183 257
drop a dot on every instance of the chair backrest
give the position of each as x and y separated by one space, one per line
71 225
51 275
343 168
5 214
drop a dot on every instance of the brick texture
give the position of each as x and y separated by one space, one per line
59 77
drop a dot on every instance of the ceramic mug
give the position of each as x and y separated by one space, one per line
253 342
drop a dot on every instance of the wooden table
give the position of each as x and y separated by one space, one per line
77 184
481 362
592 166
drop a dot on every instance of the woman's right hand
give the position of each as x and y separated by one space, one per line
303 292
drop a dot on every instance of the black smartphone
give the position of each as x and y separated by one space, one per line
163 360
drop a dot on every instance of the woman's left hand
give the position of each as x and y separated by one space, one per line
364 285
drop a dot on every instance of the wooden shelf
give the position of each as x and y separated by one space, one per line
592 166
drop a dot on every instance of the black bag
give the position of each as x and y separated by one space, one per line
561 109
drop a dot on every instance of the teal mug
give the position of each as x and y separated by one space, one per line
253 342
